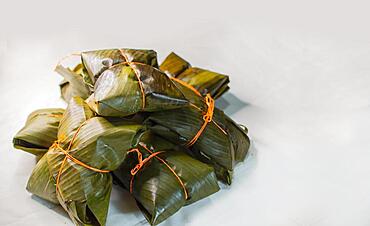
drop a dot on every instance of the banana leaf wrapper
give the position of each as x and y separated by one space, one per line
158 192
39 132
126 89
223 143
76 82
81 183
80 80
204 81
97 61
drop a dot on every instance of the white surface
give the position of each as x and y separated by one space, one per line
300 77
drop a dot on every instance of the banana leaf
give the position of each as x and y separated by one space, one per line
124 90
204 81
98 61
76 82
39 132
223 143
158 192
80 81
82 190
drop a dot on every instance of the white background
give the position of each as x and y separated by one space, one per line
300 79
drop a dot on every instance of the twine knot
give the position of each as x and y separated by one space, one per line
142 162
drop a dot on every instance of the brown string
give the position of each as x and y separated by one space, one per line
137 76
142 162
70 157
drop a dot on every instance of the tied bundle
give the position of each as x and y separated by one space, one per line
153 130
121 82
69 173
163 178
205 81
207 131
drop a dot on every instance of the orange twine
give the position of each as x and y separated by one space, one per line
207 117
142 162
136 74
55 115
127 62
70 157
186 85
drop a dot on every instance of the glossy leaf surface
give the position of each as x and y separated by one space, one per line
39 132
204 81
158 192
98 143
222 143
119 91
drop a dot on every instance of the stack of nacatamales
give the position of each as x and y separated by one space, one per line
154 130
